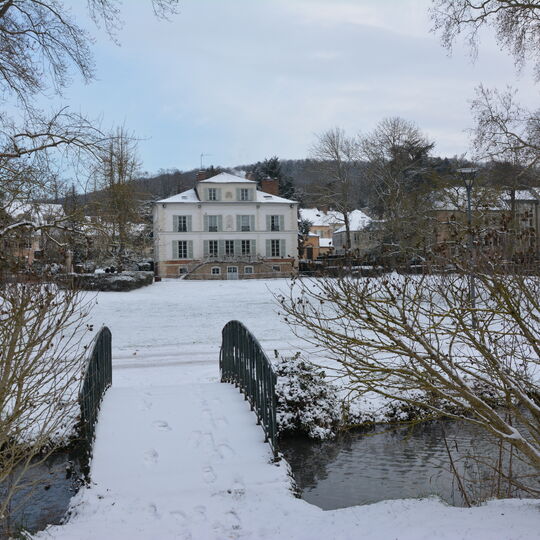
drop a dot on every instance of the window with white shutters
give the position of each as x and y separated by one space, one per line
182 223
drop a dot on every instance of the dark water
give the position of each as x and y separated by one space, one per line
45 499
383 463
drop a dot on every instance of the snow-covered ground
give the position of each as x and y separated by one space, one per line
174 322
178 454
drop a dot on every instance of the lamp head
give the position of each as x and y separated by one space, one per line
468 175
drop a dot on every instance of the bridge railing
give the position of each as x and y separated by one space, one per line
243 362
96 379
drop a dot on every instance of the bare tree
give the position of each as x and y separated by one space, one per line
336 156
118 207
398 179
516 25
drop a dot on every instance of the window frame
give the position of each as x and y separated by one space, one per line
244 194
229 244
273 226
243 226
182 224
213 248
213 227
249 270
275 248
245 247
212 194
213 272
182 249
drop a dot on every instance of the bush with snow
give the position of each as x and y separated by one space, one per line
306 401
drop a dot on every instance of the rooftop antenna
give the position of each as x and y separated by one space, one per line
202 156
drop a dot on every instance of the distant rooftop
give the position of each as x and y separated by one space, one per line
190 196
226 178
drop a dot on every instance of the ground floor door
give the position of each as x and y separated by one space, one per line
232 272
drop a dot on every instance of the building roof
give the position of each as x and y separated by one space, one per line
227 178
358 221
36 211
319 218
455 198
190 196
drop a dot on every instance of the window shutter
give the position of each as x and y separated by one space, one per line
175 223
206 223
220 223
238 247
189 223
221 248
218 194
238 194
281 223
268 222
253 247
207 194
205 248
175 249
190 249
251 192
269 248
282 252
251 223
238 223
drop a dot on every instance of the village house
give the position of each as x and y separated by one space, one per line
31 243
323 223
226 228
364 236
505 223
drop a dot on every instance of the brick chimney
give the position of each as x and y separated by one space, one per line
201 175
270 185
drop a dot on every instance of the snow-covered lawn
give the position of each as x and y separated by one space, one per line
178 322
178 455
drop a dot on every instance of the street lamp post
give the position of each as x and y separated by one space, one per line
468 175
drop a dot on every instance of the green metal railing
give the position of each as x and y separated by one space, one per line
243 362
97 378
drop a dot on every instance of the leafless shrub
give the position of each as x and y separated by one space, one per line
41 355
412 339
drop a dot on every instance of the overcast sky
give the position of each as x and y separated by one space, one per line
242 80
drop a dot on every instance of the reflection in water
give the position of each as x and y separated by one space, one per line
46 499
371 466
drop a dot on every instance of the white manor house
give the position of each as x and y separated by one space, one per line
225 228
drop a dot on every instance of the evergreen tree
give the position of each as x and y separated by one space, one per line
271 167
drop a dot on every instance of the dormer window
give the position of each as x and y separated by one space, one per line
244 194
212 194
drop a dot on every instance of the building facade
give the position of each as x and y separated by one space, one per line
225 228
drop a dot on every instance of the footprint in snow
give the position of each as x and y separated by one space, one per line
162 425
151 457
225 451
199 514
209 475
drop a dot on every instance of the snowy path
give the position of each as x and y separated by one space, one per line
178 466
